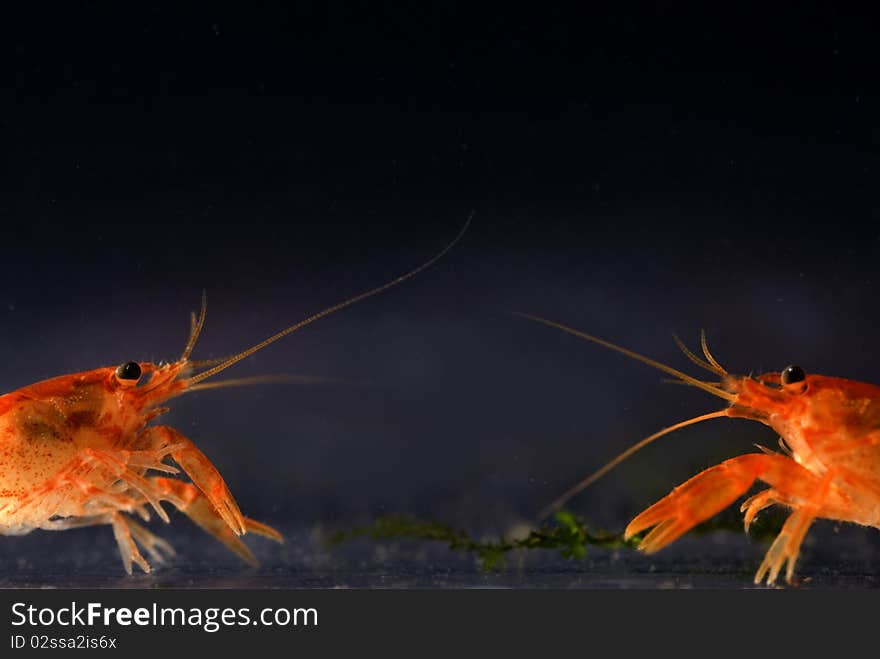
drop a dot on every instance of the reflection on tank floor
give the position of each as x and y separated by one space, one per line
835 558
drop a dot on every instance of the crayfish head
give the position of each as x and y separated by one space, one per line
792 398
144 385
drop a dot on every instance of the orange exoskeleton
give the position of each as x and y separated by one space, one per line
78 450
829 431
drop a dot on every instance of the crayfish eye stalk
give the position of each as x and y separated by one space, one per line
793 379
128 374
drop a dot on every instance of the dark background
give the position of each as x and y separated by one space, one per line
631 173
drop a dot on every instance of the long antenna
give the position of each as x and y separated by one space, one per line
705 386
330 310
596 475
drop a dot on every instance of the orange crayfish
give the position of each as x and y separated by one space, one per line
829 432
77 450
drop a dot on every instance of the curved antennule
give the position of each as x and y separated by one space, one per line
704 343
326 312
696 360
596 475
705 386
195 328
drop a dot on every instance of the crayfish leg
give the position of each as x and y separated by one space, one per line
714 489
125 530
200 510
127 547
755 504
128 534
696 500
204 476
787 545
156 547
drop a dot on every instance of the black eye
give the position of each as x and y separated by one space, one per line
129 371
793 374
